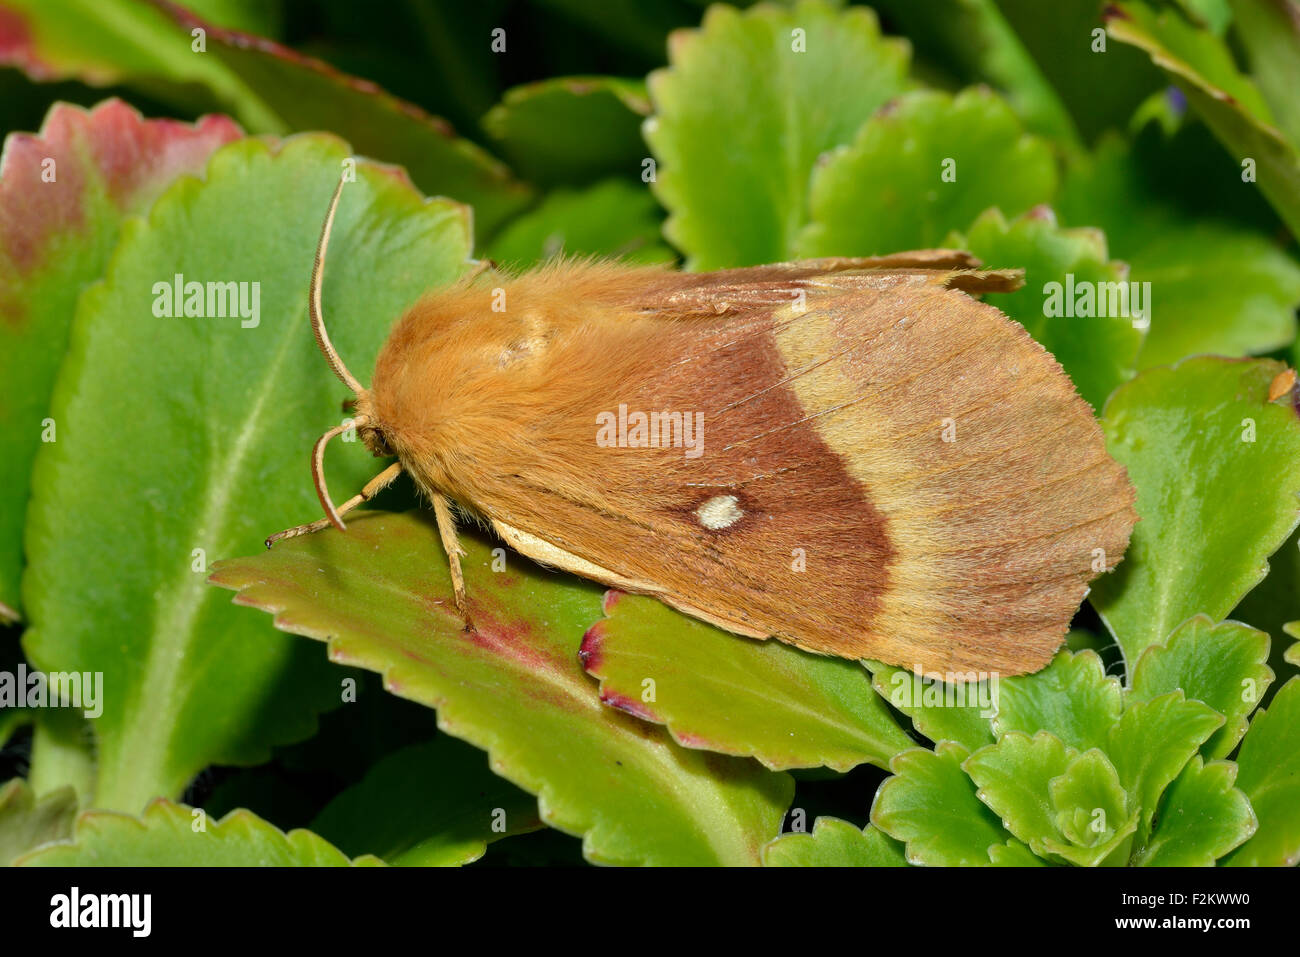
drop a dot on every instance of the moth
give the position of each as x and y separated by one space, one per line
855 455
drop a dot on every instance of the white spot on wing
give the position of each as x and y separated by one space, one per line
721 511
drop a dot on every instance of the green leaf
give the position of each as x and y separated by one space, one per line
1100 89
1274 604
1099 352
737 89
613 218
1201 819
931 805
432 805
111 42
1200 442
28 822
1223 665
268 87
188 680
572 130
306 94
1218 284
55 238
1216 289
11 720
1268 770
1176 208
1072 698
381 595
1271 35
969 41
942 711
1152 742
1014 854
926 165
761 699
1012 778
1292 655
1229 102
1092 813
63 752
173 835
1189 55
1214 15
835 843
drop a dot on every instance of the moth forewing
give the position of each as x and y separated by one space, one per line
947 489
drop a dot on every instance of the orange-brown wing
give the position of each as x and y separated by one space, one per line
897 472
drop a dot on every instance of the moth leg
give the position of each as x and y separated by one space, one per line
451 544
368 491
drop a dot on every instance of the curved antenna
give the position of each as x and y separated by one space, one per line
314 304
318 469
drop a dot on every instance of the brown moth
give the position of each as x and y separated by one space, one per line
853 456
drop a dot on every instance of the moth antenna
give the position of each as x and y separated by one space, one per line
318 314
318 469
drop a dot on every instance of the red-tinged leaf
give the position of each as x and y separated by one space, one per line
18 46
714 690
380 595
149 45
64 193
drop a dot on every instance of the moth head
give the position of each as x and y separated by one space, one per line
367 424
361 404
